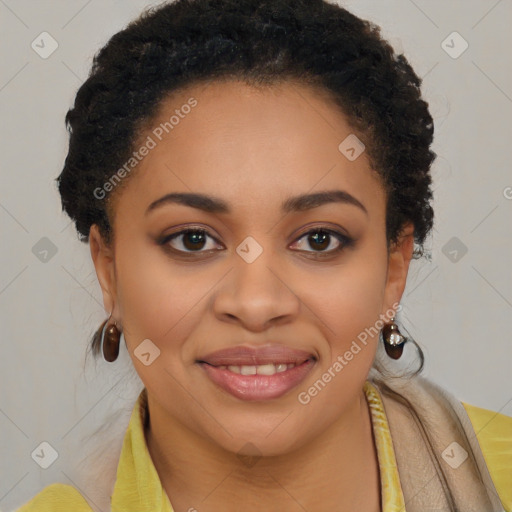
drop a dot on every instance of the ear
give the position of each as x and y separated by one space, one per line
400 255
103 258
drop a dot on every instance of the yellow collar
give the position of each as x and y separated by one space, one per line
392 498
138 487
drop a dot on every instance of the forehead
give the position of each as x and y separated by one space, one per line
248 144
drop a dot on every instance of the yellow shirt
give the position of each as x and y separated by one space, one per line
138 487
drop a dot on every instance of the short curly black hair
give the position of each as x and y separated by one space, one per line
261 42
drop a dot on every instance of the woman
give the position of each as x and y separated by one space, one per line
253 178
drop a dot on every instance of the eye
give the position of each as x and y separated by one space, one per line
321 239
189 240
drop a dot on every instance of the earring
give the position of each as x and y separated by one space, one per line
110 339
393 340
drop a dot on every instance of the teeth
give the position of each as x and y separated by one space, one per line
248 370
266 369
262 369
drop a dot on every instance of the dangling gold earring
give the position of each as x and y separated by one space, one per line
393 340
110 339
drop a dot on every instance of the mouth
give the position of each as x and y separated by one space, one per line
258 382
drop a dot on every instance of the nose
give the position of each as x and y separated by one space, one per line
256 295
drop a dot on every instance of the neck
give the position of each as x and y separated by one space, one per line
198 474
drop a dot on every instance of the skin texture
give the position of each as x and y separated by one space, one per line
254 148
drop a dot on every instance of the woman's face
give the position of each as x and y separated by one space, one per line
261 274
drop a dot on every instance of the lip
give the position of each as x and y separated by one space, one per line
258 387
243 355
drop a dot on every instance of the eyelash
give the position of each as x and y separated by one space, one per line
345 241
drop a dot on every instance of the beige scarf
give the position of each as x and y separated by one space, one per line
424 421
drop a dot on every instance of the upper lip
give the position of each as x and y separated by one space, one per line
249 356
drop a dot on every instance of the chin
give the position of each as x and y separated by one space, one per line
248 441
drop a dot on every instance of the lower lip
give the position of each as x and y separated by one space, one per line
258 387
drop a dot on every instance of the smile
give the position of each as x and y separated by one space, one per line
258 382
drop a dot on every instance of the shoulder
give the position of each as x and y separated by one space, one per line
494 433
57 498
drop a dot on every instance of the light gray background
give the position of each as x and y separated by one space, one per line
459 311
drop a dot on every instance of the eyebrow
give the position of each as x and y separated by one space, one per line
302 202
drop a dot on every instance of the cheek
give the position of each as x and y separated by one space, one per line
347 314
154 299
160 304
348 302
